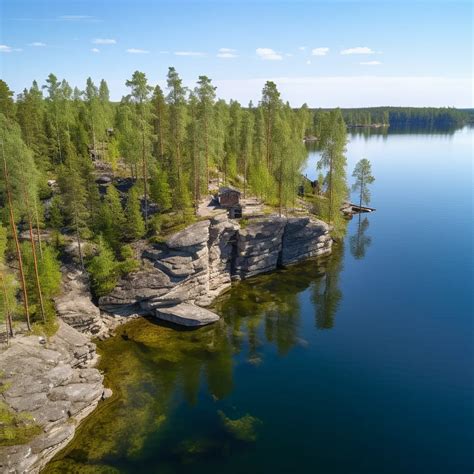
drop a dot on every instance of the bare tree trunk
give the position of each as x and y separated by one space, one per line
57 137
8 314
245 175
160 121
78 238
38 234
206 144
145 176
361 189
17 244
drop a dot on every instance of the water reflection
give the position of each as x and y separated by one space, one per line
170 387
359 242
326 292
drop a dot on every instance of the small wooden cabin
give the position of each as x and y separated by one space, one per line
230 199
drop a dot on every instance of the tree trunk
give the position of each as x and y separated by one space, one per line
17 244
8 314
206 144
78 238
145 176
35 260
245 175
38 235
160 120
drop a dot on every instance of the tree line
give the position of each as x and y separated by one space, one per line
169 144
402 117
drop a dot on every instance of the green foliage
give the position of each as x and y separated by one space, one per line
103 269
333 146
112 218
49 274
243 429
16 428
363 175
134 224
160 191
7 106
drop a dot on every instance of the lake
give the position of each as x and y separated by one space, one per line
359 363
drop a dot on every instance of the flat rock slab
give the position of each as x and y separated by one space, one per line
186 314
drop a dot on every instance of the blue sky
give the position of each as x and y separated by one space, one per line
336 53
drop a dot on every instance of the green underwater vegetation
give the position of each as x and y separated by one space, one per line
158 372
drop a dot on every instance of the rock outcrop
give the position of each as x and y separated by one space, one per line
195 265
74 304
186 314
53 382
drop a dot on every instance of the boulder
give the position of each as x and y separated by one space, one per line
187 315
193 235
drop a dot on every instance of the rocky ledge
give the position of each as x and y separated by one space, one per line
54 384
195 265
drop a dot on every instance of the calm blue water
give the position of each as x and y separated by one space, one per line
362 364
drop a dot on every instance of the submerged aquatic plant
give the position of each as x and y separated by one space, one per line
243 429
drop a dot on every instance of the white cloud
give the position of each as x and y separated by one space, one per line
227 53
37 44
104 41
189 53
358 50
75 17
289 55
137 51
370 63
308 62
319 51
302 48
95 50
268 54
8 49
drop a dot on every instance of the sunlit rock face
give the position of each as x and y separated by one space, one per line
304 238
196 264
53 385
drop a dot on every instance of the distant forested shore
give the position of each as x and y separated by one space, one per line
405 117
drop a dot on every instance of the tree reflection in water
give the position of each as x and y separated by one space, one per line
159 373
359 242
326 292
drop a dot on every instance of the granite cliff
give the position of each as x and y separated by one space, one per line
193 266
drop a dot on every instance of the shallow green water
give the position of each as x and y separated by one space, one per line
361 363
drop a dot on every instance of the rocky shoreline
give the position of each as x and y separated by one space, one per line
55 381
195 265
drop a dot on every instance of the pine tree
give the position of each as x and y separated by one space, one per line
140 92
246 145
206 94
134 224
160 122
18 169
103 269
74 198
333 146
160 190
7 105
112 218
176 100
363 175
